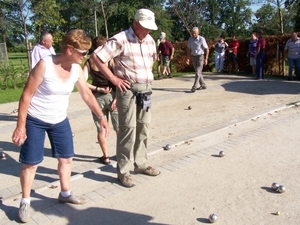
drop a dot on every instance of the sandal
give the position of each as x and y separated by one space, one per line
104 160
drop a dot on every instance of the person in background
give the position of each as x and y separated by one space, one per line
292 48
166 50
43 108
159 59
260 55
42 49
252 51
220 47
233 46
134 52
105 94
198 49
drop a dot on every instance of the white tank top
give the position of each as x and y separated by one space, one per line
51 99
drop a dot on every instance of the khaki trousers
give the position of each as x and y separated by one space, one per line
133 130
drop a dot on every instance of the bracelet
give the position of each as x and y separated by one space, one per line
100 117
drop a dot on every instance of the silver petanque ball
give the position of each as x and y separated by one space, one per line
167 147
275 186
221 153
213 218
190 107
281 189
2 155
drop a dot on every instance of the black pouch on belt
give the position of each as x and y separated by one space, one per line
143 99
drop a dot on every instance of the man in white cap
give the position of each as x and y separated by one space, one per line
133 52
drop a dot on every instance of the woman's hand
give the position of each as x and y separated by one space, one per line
19 136
113 105
105 90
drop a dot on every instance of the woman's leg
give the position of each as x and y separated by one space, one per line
27 174
64 172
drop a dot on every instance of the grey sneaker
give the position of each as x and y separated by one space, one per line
201 88
24 214
148 171
126 181
73 199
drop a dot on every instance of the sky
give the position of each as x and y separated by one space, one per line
255 7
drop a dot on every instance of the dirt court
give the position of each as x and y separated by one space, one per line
256 124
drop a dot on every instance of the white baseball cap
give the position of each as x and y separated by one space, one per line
146 19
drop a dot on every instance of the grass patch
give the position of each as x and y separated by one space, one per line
10 95
19 60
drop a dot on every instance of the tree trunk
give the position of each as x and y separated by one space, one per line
105 19
280 17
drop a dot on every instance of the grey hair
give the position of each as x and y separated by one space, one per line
44 35
195 29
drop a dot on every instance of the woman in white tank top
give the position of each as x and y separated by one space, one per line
43 109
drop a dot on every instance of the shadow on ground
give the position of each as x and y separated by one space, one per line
263 87
92 215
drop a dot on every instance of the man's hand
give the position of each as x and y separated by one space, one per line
205 62
121 84
188 61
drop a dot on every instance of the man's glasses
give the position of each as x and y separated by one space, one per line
81 52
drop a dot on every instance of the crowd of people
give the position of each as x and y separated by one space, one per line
121 88
121 71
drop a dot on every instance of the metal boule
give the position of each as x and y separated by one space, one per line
167 147
221 153
275 186
281 189
213 218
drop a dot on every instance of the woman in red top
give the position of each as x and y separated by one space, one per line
233 50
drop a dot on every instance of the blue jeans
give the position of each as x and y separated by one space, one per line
260 64
60 136
292 63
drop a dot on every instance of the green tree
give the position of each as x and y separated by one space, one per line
47 20
189 12
264 19
293 7
16 13
285 14
214 17
106 9
267 19
235 16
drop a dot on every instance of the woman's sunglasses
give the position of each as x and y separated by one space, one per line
82 52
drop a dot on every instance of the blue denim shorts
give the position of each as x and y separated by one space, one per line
60 136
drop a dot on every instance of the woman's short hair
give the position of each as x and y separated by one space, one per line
98 41
76 38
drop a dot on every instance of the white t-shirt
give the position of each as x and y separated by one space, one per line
39 52
51 99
